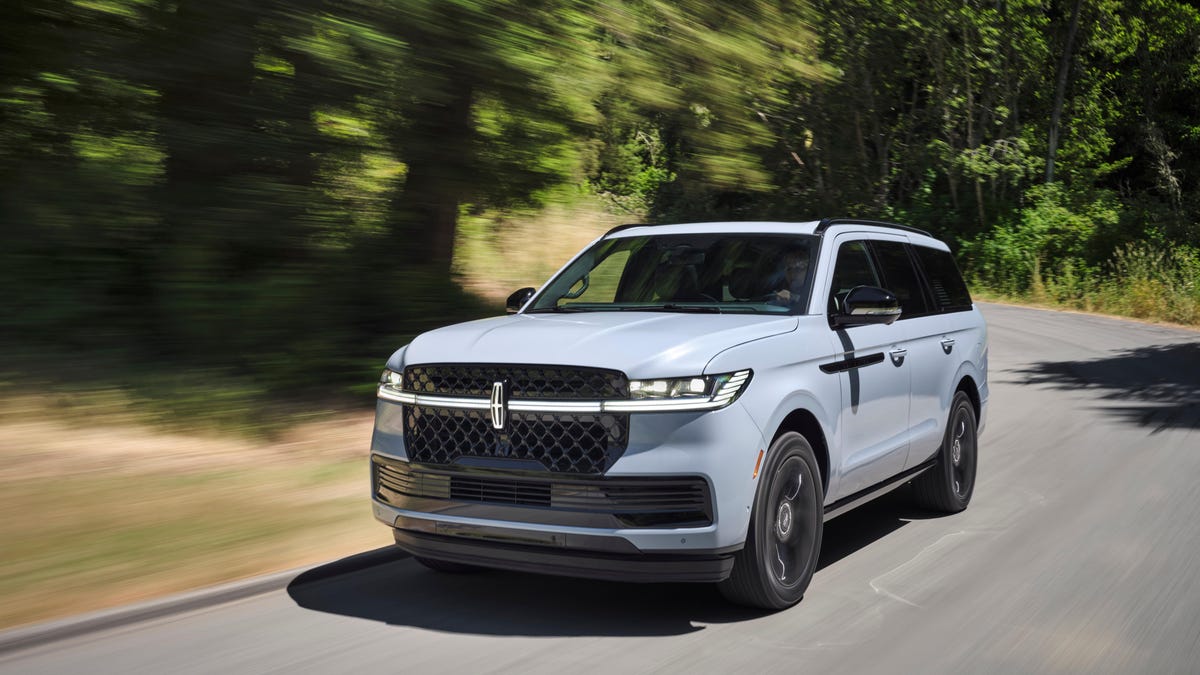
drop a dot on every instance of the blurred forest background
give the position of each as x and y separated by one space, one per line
272 196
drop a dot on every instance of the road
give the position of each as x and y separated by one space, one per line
1079 553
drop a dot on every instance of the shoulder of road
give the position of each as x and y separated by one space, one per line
37 634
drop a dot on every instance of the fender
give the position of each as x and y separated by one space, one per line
970 367
830 429
787 378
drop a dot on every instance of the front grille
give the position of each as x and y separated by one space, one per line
526 382
563 442
633 502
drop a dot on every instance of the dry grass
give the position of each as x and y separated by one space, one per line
497 254
109 500
97 517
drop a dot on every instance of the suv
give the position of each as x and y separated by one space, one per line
687 403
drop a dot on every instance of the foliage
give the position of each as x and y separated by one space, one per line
711 76
273 190
1052 233
1151 282
630 172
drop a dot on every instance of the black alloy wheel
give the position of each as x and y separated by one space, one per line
949 484
783 541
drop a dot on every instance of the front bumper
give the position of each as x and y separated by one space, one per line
719 447
516 550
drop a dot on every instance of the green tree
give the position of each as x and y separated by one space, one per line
486 110
712 78
77 163
928 117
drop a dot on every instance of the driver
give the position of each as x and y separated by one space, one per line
792 276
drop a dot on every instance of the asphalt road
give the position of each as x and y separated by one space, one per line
1079 553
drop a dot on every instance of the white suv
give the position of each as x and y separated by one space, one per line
687 403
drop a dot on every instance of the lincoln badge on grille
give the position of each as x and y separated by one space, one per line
499 406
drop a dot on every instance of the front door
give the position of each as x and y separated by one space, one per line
874 375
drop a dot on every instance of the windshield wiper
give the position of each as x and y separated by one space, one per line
672 307
668 307
557 309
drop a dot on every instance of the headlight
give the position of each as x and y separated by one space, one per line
706 392
390 378
690 387
389 387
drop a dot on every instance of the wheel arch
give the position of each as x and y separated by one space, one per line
971 379
967 385
805 423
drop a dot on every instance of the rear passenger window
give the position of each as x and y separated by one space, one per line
853 268
949 290
900 277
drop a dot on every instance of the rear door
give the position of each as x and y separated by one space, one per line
919 332
959 333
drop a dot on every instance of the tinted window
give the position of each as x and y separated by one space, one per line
900 277
699 272
949 290
853 268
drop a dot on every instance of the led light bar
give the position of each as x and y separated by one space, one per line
728 387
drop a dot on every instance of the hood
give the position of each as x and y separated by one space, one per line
641 344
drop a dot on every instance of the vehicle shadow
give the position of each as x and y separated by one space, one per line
1159 384
403 593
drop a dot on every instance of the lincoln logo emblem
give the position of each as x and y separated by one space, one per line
499 406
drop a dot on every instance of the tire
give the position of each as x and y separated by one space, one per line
447 567
949 484
783 542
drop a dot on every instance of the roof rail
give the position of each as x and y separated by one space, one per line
627 226
826 223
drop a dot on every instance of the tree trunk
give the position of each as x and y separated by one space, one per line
440 171
1060 90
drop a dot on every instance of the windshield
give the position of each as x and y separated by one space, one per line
746 273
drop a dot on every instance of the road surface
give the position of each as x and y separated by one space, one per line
1079 553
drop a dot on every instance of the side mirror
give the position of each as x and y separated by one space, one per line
517 300
867 305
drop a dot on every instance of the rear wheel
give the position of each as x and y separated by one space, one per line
948 486
447 567
783 542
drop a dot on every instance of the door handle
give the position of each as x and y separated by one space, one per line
898 356
947 345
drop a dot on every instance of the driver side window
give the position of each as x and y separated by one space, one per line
854 267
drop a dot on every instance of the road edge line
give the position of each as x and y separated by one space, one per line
34 635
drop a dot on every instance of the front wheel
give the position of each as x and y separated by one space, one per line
948 486
783 542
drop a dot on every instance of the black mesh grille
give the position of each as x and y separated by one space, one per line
564 442
544 382
633 501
